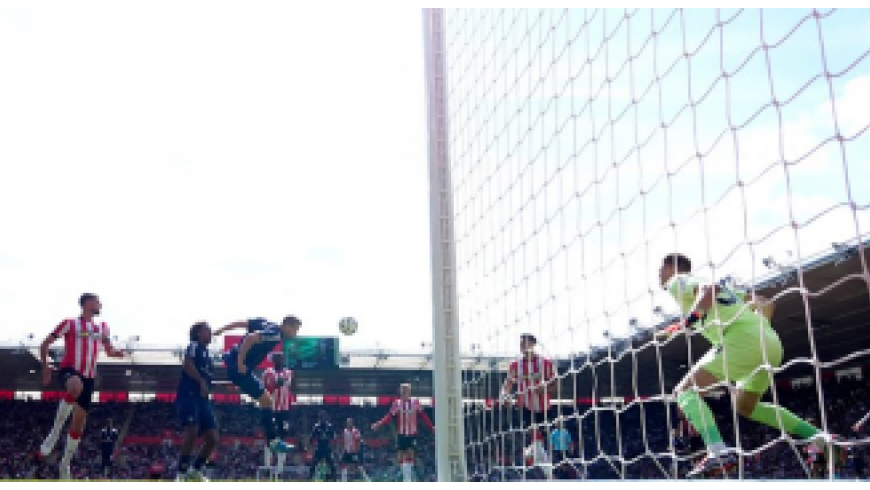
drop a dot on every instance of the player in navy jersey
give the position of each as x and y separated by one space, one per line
108 439
193 404
261 338
323 435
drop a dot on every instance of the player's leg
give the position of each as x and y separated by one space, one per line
361 468
315 461
281 421
72 384
207 426
706 373
253 387
333 469
757 381
77 425
188 418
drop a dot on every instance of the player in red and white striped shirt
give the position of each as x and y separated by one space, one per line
407 410
351 442
82 339
535 379
278 382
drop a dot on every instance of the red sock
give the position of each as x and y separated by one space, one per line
75 434
69 398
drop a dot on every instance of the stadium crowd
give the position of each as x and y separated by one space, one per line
616 444
233 460
634 450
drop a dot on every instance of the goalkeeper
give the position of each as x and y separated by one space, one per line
744 348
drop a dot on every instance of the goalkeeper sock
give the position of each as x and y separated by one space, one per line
765 413
699 415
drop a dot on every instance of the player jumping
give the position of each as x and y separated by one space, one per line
261 338
194 406
407 409
352 445
82 339
278 381
743 341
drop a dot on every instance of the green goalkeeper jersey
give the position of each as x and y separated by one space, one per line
729 313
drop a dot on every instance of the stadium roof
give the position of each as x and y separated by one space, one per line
834 292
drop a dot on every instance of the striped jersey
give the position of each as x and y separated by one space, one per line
280 391
82 340
351 439
407 411
532 377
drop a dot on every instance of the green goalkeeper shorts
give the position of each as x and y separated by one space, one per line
742 358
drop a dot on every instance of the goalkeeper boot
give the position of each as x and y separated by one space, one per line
712 464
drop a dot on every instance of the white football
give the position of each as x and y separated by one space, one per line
347 326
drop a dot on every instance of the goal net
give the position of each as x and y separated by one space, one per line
583 146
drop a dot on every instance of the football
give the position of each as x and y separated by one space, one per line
347 326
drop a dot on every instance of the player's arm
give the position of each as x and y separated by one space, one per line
703 302
508 385
427 420
860 423
111 351
243 325
249 342
377 425
43 350
764 306
550 379
190 368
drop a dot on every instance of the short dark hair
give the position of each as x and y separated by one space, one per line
85 298
682 262
291 320
194 330
528 336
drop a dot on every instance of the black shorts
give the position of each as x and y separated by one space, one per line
84 399
351 458
282 423
405 443
528 417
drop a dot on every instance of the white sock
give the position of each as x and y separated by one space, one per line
63 411
716 448
344 474
281 458
540 454
69 450
363 472
268 457
408 471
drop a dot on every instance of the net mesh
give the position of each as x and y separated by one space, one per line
587 144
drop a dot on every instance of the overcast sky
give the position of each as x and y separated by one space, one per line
193 161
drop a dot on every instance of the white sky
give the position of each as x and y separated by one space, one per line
541 244
194 161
